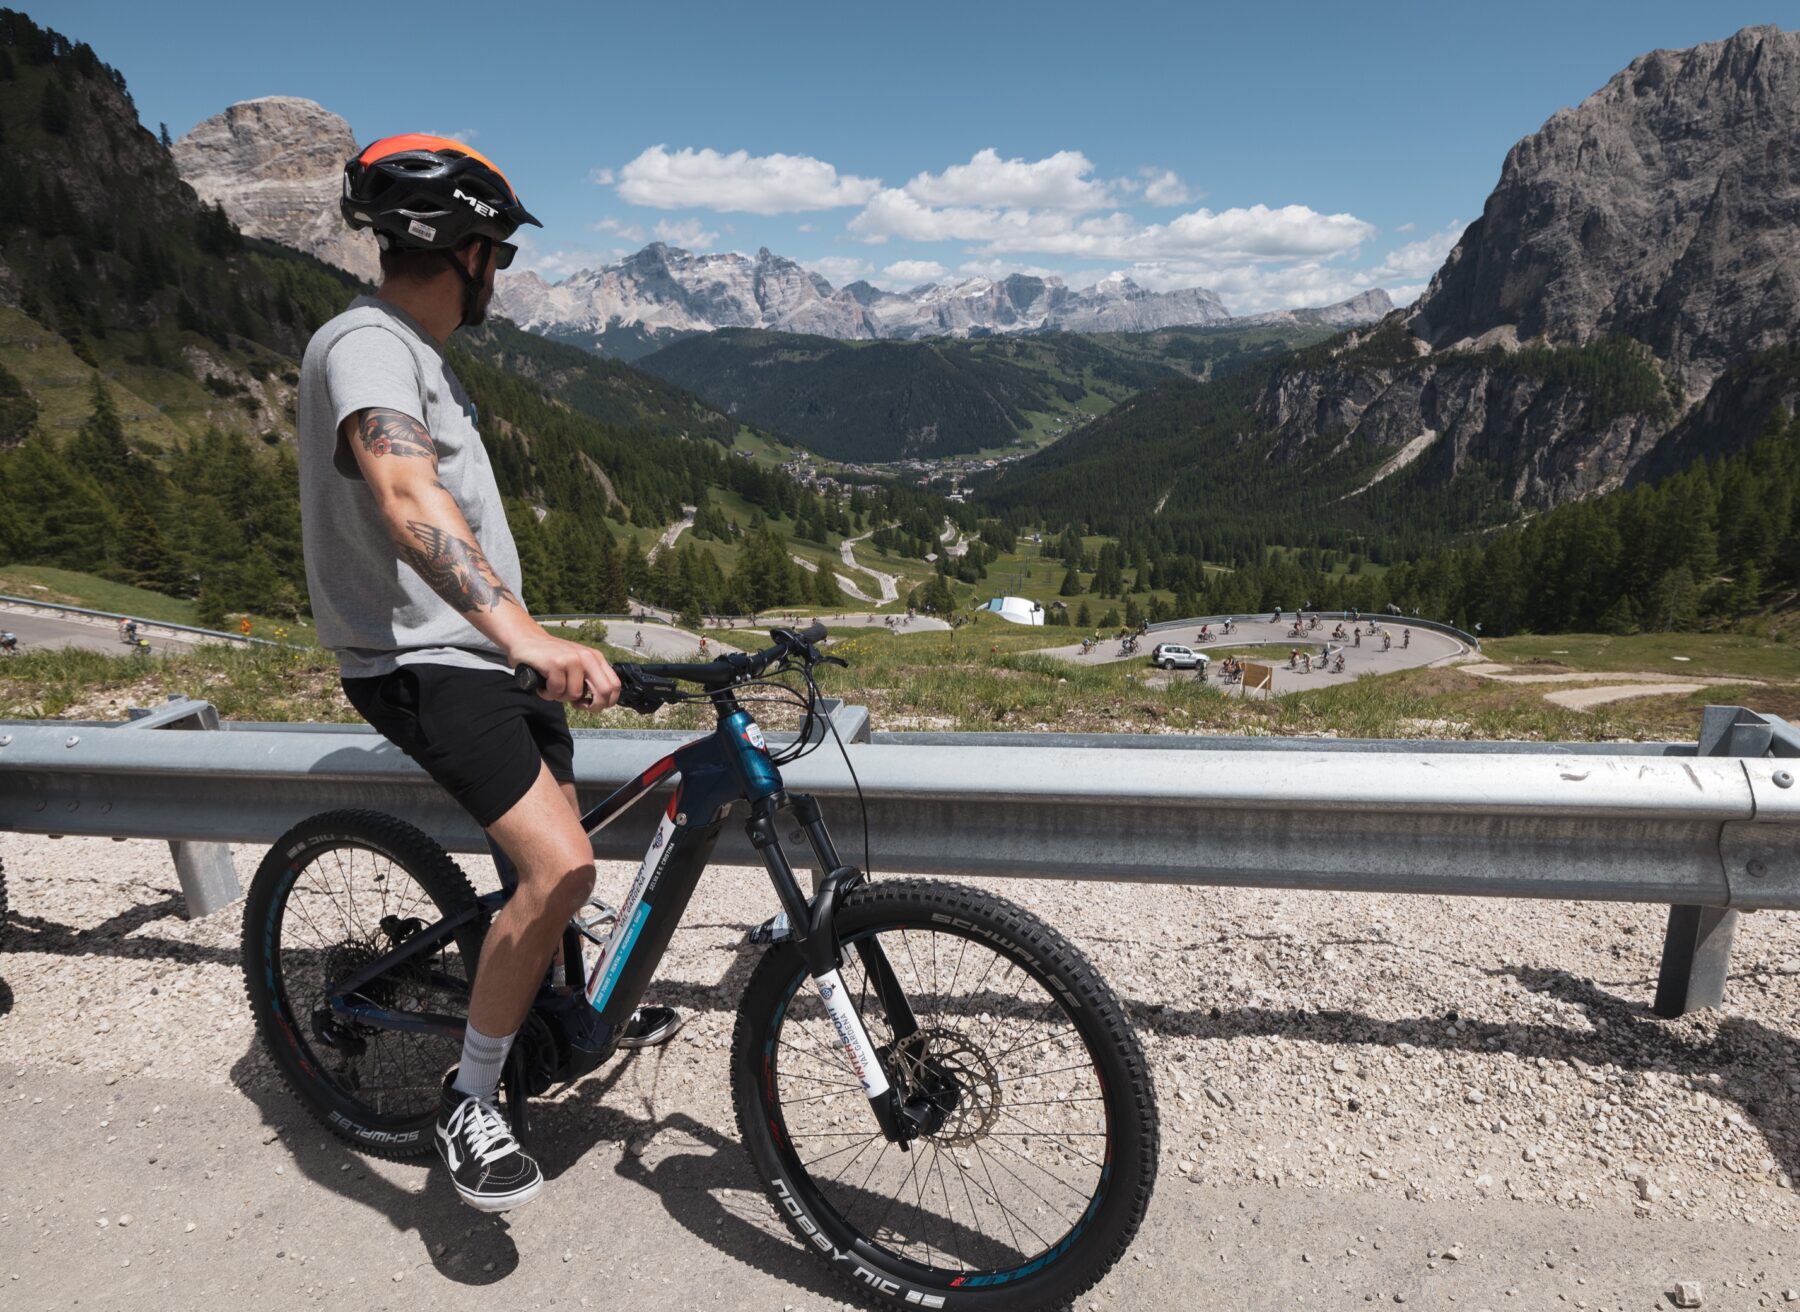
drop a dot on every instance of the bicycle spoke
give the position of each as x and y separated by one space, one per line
981 1026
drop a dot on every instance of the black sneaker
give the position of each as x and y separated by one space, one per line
650 1026
487 1166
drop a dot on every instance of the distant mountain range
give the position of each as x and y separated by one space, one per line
662 294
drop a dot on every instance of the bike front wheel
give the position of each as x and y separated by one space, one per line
1038 1161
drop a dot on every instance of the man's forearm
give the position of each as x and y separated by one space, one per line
431 535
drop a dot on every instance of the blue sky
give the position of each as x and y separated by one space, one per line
1283 154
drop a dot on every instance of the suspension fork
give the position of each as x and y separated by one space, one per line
814 932
806 810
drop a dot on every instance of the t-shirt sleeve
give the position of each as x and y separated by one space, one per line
369 368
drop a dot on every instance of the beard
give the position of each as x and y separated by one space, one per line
478 313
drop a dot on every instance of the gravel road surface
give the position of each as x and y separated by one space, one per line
1365 1099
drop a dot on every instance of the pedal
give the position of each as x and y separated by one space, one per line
773 930
595 916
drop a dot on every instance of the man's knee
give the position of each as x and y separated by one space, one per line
571 889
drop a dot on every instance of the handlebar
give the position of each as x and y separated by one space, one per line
644 687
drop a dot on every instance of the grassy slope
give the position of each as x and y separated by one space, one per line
73 588
1710 655
985 676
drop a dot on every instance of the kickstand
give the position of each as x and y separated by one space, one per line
515 1092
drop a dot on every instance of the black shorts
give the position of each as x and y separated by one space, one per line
471 730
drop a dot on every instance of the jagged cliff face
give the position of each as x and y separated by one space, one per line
277 166
1545 441
1666 207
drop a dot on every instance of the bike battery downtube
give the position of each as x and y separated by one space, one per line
658 898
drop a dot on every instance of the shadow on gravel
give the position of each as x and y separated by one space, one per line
687 1167
117 936
463 1244
1725 1056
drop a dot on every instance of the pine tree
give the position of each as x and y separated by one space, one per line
1071 584
827 595
55 113
162 136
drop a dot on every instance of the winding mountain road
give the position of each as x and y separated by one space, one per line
672 532
888 583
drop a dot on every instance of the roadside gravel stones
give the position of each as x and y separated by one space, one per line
1686 1293
1448 1050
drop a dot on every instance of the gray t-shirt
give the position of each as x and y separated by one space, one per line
371 607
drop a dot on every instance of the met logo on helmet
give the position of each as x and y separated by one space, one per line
482 208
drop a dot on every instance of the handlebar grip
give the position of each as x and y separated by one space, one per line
526 679
813 633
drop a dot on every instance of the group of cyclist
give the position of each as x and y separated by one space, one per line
1328 659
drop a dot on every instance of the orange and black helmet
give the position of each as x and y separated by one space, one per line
420 192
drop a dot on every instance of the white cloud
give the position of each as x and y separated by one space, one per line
1406 227
840 269
996 270
602 177
1256 231
689 234
910 273
1163 187
553 265
623 231
1060 181
1419 259
805 227
756 184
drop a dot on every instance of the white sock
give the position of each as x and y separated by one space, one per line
483 1058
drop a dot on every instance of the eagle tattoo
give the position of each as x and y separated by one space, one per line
456 570
390 433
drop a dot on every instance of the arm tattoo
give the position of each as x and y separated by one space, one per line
456 570
390 433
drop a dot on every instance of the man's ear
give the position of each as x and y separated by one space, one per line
469 256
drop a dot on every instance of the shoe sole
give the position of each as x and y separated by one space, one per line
501 1202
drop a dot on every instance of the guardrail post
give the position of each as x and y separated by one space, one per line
1696 960
1696 956
208 879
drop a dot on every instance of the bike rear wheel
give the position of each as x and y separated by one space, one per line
1038 1171
335 892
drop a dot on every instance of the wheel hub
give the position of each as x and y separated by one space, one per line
954 1089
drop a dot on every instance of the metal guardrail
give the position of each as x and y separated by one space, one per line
1711 828
141 620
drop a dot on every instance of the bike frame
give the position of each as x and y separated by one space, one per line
730 764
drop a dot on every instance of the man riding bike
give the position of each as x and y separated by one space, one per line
415 584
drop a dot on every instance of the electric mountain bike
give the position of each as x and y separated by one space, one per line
942 1097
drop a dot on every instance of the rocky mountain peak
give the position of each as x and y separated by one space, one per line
1662 207
276 165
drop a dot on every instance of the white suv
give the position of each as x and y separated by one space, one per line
1172 655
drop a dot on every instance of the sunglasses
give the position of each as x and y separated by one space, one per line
503 254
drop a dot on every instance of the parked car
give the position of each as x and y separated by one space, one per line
1174 656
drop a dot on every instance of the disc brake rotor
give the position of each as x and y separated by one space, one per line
961 1082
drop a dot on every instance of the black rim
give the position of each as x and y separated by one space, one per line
1018 1157
340 907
